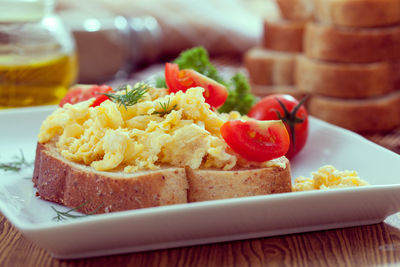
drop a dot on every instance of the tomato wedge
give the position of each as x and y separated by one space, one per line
293 114
79 94
256 140
215 93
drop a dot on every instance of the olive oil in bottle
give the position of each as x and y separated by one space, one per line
29 81
37 54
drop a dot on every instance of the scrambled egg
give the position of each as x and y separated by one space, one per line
328 177
142 136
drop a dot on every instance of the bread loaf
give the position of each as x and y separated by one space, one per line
263 90
285 36
366 115
352 45
296 9
343 80
268 67
358 13
76 185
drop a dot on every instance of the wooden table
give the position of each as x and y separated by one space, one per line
373 245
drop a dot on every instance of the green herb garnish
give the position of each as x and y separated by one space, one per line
16 165
165 108
64 215
197 59
131 96
239 96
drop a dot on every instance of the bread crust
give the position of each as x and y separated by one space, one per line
343 80
296 9
218 184
356 13
72 184
351 45
268 67
284 36
363 115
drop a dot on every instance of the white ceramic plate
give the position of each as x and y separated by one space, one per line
205 222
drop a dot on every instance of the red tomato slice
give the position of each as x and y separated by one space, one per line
293 114
215 93
256 140
79 94
99 99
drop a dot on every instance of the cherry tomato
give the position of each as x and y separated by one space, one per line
215 93
291 112
256 140
79 94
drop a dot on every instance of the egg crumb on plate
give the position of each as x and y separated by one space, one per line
328 177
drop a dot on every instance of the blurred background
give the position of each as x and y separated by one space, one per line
115 38
344 54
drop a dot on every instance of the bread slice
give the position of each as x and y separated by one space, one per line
218 184
75 185
283 35
360 115
351 45
344 80
356 13
72 184
263 90
296 9
268 67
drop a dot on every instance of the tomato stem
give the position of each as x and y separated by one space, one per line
290 117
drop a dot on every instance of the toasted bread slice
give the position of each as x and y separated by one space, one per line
283 35
267 67
296 9
343 80
76 185
218 184
360 115
352 45
72 184
356 13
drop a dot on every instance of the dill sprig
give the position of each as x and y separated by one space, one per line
131 96
65 215
16 165
165 108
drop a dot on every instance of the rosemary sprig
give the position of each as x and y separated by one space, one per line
165 108
16 165
65 215
131 97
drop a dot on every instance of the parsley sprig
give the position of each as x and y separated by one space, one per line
131 96
17 164
65 215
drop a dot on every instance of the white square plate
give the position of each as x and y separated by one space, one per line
204 222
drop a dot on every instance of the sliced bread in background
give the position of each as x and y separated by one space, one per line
267 67
366 115
283 35
357 13
296 9
351 45
344 80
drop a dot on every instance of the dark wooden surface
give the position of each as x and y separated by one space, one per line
372 245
